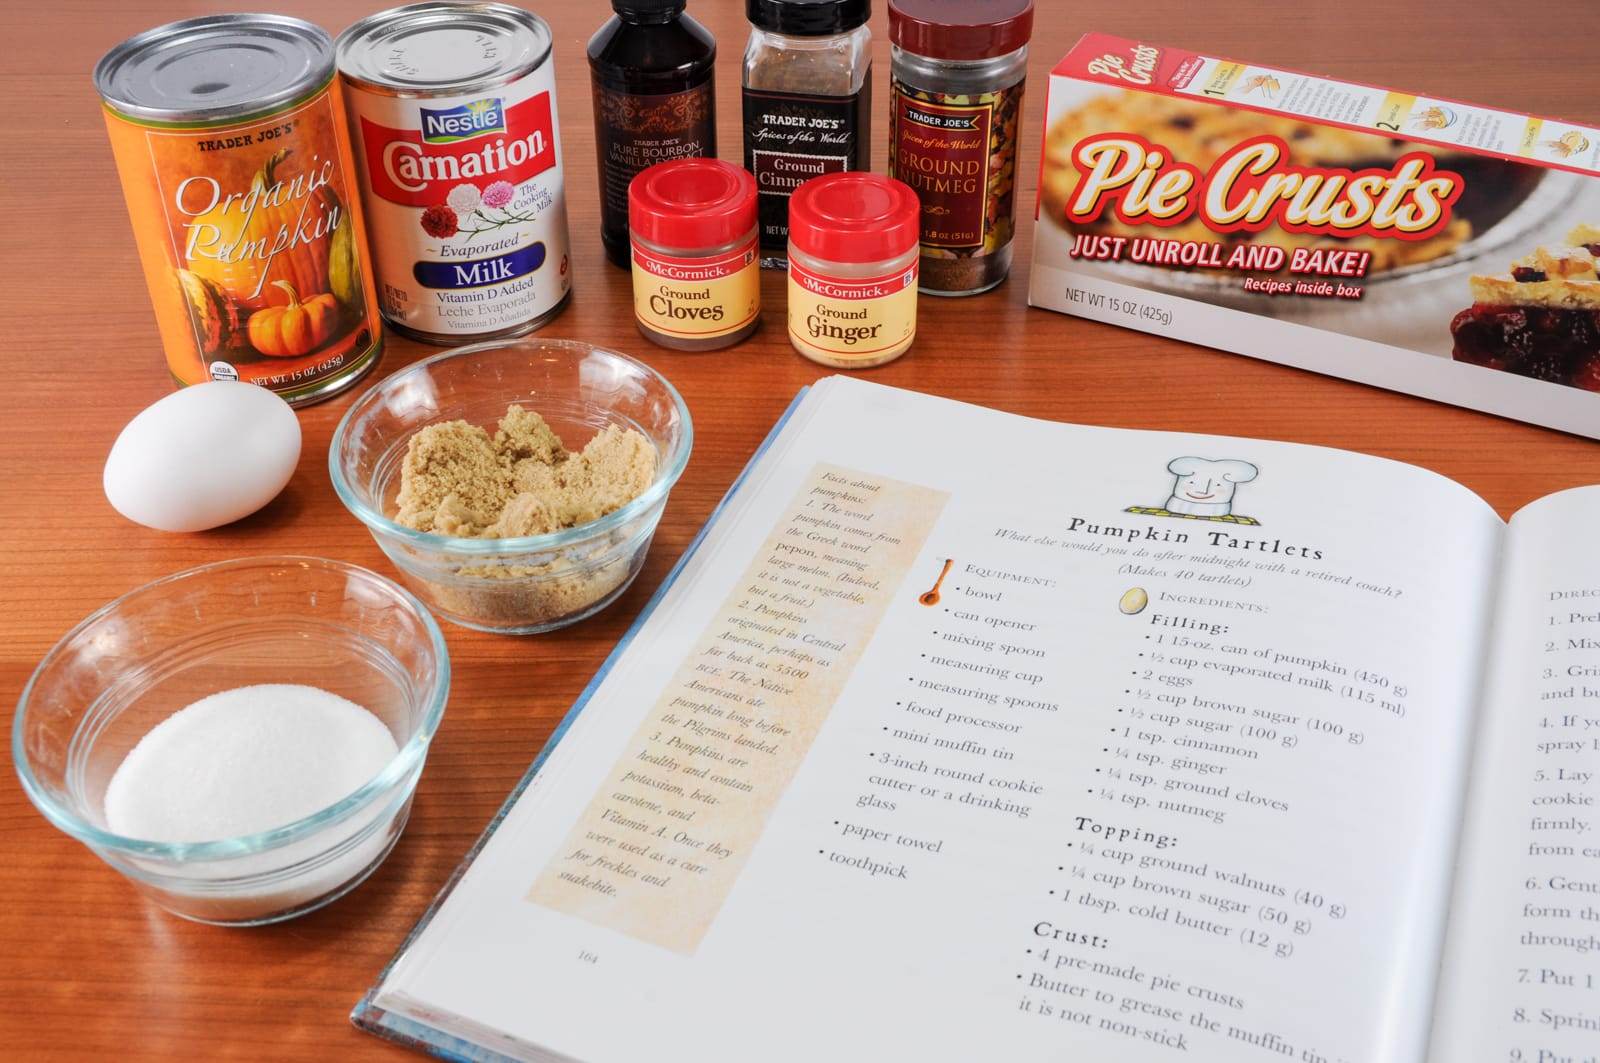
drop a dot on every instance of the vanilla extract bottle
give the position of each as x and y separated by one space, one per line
654 101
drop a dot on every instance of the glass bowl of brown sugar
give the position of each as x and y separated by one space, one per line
515 485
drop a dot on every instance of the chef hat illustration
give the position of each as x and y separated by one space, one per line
1204 488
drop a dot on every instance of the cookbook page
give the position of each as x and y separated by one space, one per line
973 737
1521 977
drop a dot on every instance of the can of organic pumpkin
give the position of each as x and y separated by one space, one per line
229 137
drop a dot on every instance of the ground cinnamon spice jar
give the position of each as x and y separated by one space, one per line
696 280
807 102
959 68
853 254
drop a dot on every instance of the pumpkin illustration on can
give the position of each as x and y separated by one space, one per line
296 328
242 193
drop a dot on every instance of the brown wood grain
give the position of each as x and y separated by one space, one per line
89 968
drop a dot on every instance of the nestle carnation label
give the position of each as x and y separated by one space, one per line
466 207
1413 242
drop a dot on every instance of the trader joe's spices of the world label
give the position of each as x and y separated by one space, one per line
959 152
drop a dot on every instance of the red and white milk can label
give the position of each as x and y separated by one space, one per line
466 206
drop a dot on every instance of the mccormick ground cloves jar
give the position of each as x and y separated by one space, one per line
230 141
453 110
959 68
853 252
696 280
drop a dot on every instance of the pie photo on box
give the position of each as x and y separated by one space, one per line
1542 319
1199 133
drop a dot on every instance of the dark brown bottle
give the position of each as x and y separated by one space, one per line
654 101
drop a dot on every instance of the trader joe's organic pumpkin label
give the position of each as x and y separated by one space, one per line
253 247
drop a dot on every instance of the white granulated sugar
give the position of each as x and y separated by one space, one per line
243 761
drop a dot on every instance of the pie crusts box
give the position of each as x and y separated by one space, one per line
1420 244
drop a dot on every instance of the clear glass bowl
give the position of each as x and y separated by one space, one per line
535 583
153 651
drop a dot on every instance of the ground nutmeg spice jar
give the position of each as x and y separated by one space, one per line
959 68
853 252
696 281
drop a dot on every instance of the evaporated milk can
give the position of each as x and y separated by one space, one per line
452 109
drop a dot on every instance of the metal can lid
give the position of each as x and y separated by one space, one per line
443 48
215 68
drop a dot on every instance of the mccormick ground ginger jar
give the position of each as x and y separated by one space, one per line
229 138
453 110
853 266
696 278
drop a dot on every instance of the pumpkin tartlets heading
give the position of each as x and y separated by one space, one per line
242 196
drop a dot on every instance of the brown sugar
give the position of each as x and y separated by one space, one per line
458 480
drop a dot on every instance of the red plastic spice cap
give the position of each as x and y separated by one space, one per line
692 204
960 29
854 217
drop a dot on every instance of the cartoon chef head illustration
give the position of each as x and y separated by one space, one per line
1205 488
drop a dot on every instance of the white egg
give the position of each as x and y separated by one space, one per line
203 457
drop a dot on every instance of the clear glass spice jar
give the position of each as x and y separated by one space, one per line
807 102
959 68
696 280
853 253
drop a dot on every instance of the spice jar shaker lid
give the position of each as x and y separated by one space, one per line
808 18
960 29
692 203
854 217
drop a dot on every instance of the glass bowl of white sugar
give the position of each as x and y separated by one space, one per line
240 740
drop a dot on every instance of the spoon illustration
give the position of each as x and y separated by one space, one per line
931 596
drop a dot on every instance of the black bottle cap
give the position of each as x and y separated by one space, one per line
649 8
808 18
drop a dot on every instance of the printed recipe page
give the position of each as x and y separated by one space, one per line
1522 975
1009 741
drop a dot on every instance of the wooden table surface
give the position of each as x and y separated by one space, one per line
88 967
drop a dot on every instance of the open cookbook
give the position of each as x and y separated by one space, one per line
963 736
